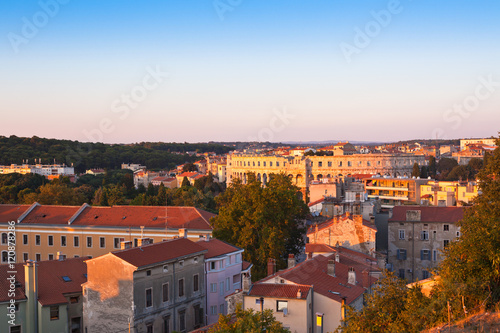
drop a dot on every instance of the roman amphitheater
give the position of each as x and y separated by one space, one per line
304 169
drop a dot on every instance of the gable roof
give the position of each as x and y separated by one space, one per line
313 272
429 214
216 247
12 212
47 214
279 290
159 252
51 286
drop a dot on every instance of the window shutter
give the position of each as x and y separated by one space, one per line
399 254
421 254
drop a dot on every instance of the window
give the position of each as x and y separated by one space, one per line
38 257
236 278
221 309
50 240
181 287
74 299
340 163
165 268
89 241
117 242
25 257
270 164
228 261
425 255
424 235
212 265
264 163
149 328
221 288
76 241
320 164
402 273
102 242
198 315
149 297
165 292
281 305
63 240
54 313
425 274
51 257
166 324
446 242
148 272
401 254
329 163
401 234
213 287
277 164
227 284
458 233
446 227
4 238
196 286
213 309
25 239
182 320
37 239
15 329
434 255
5 256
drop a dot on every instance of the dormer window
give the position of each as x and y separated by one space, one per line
66 278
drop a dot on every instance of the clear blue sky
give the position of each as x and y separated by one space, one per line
65 70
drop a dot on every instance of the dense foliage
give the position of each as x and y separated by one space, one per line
154 155
266 221
248 321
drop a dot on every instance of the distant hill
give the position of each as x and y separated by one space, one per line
83 156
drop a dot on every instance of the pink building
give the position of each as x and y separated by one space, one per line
224 268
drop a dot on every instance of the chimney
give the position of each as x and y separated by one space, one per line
246 282
337 257
60 256
299 294
365 279
144 241
331 267
125 245
207 237
351 276
271 266
291 261
183 233
31 291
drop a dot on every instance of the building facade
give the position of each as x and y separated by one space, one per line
153 288
77 231
417 236
394 191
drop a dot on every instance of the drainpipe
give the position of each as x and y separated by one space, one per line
175 283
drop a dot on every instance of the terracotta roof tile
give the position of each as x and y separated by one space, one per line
51 286
245 265
279 290
46 214
217 247
429 214
12 212
159 252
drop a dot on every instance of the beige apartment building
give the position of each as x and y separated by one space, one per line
418 235
440 193
77 231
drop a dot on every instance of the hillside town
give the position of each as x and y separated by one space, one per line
368 210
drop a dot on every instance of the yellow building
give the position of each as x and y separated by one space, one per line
394 191
439 193
76 231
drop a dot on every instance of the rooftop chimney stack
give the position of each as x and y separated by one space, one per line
59 256
337 257
183 233
31 291
351 276
125 245
271 267
143 241
291 260
246 282
299 294
331 267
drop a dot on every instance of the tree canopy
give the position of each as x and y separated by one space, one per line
267 221
243 321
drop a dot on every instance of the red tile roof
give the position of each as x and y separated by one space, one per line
163 179
11 212
160 252
358 260
279 290
429 214
188 174
51 286
316 202
148 216
245 265
217 247
313 272
46 214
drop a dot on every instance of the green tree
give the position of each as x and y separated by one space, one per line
248 321
432 166
189 167
423 172
266 221
471 265
416 170
445 165
185 182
